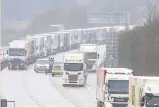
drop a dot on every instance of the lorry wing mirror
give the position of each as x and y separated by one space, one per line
7 51
104 88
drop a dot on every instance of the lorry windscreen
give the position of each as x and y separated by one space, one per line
118 86
153 101
17 52
73 66
91 55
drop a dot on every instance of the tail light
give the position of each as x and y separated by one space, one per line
133 73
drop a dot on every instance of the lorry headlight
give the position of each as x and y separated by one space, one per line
112 99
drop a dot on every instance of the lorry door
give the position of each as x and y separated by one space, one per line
100 94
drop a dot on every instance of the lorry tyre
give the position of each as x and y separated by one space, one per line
35 70
9 68
63 85
100 104
53 74
26 67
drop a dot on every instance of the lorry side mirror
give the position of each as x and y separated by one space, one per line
98 55
7 51
104 88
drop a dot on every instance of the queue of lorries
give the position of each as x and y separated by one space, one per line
115 86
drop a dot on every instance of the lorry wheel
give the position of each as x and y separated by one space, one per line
9 68
63 85
26 67
100 104
53 74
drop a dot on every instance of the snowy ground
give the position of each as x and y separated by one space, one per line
28 88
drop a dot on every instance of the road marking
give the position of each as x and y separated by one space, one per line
90 89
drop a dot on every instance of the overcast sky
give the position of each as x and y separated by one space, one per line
28 9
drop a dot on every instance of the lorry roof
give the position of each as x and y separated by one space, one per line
88 44
18 41
117 69
58 32
146 77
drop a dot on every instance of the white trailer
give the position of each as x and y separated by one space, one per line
113 87
63 41
47 43
91 55
39 45
143 91
74 69
55 43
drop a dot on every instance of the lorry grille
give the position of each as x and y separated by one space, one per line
73 78
119 105
120 99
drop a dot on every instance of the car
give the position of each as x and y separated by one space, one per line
57 69
41 65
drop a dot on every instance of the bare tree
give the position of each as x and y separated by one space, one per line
150 13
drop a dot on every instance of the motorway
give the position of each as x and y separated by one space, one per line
31 89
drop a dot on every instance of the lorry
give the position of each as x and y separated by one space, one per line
74 38
143 91
113 87
39 45
54 44
20 54
91 55
47 37
74 69
63 39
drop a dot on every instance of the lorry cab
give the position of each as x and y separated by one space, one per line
91 55
150 97
143 91
74 69
18 54
115 84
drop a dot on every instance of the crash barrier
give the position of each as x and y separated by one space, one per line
4 64
4 103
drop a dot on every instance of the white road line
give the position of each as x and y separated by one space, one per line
90 89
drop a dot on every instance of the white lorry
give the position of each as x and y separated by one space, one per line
63 39
91 55
143 91
20 54
47 44
74 69
113 87
39 45
54 43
